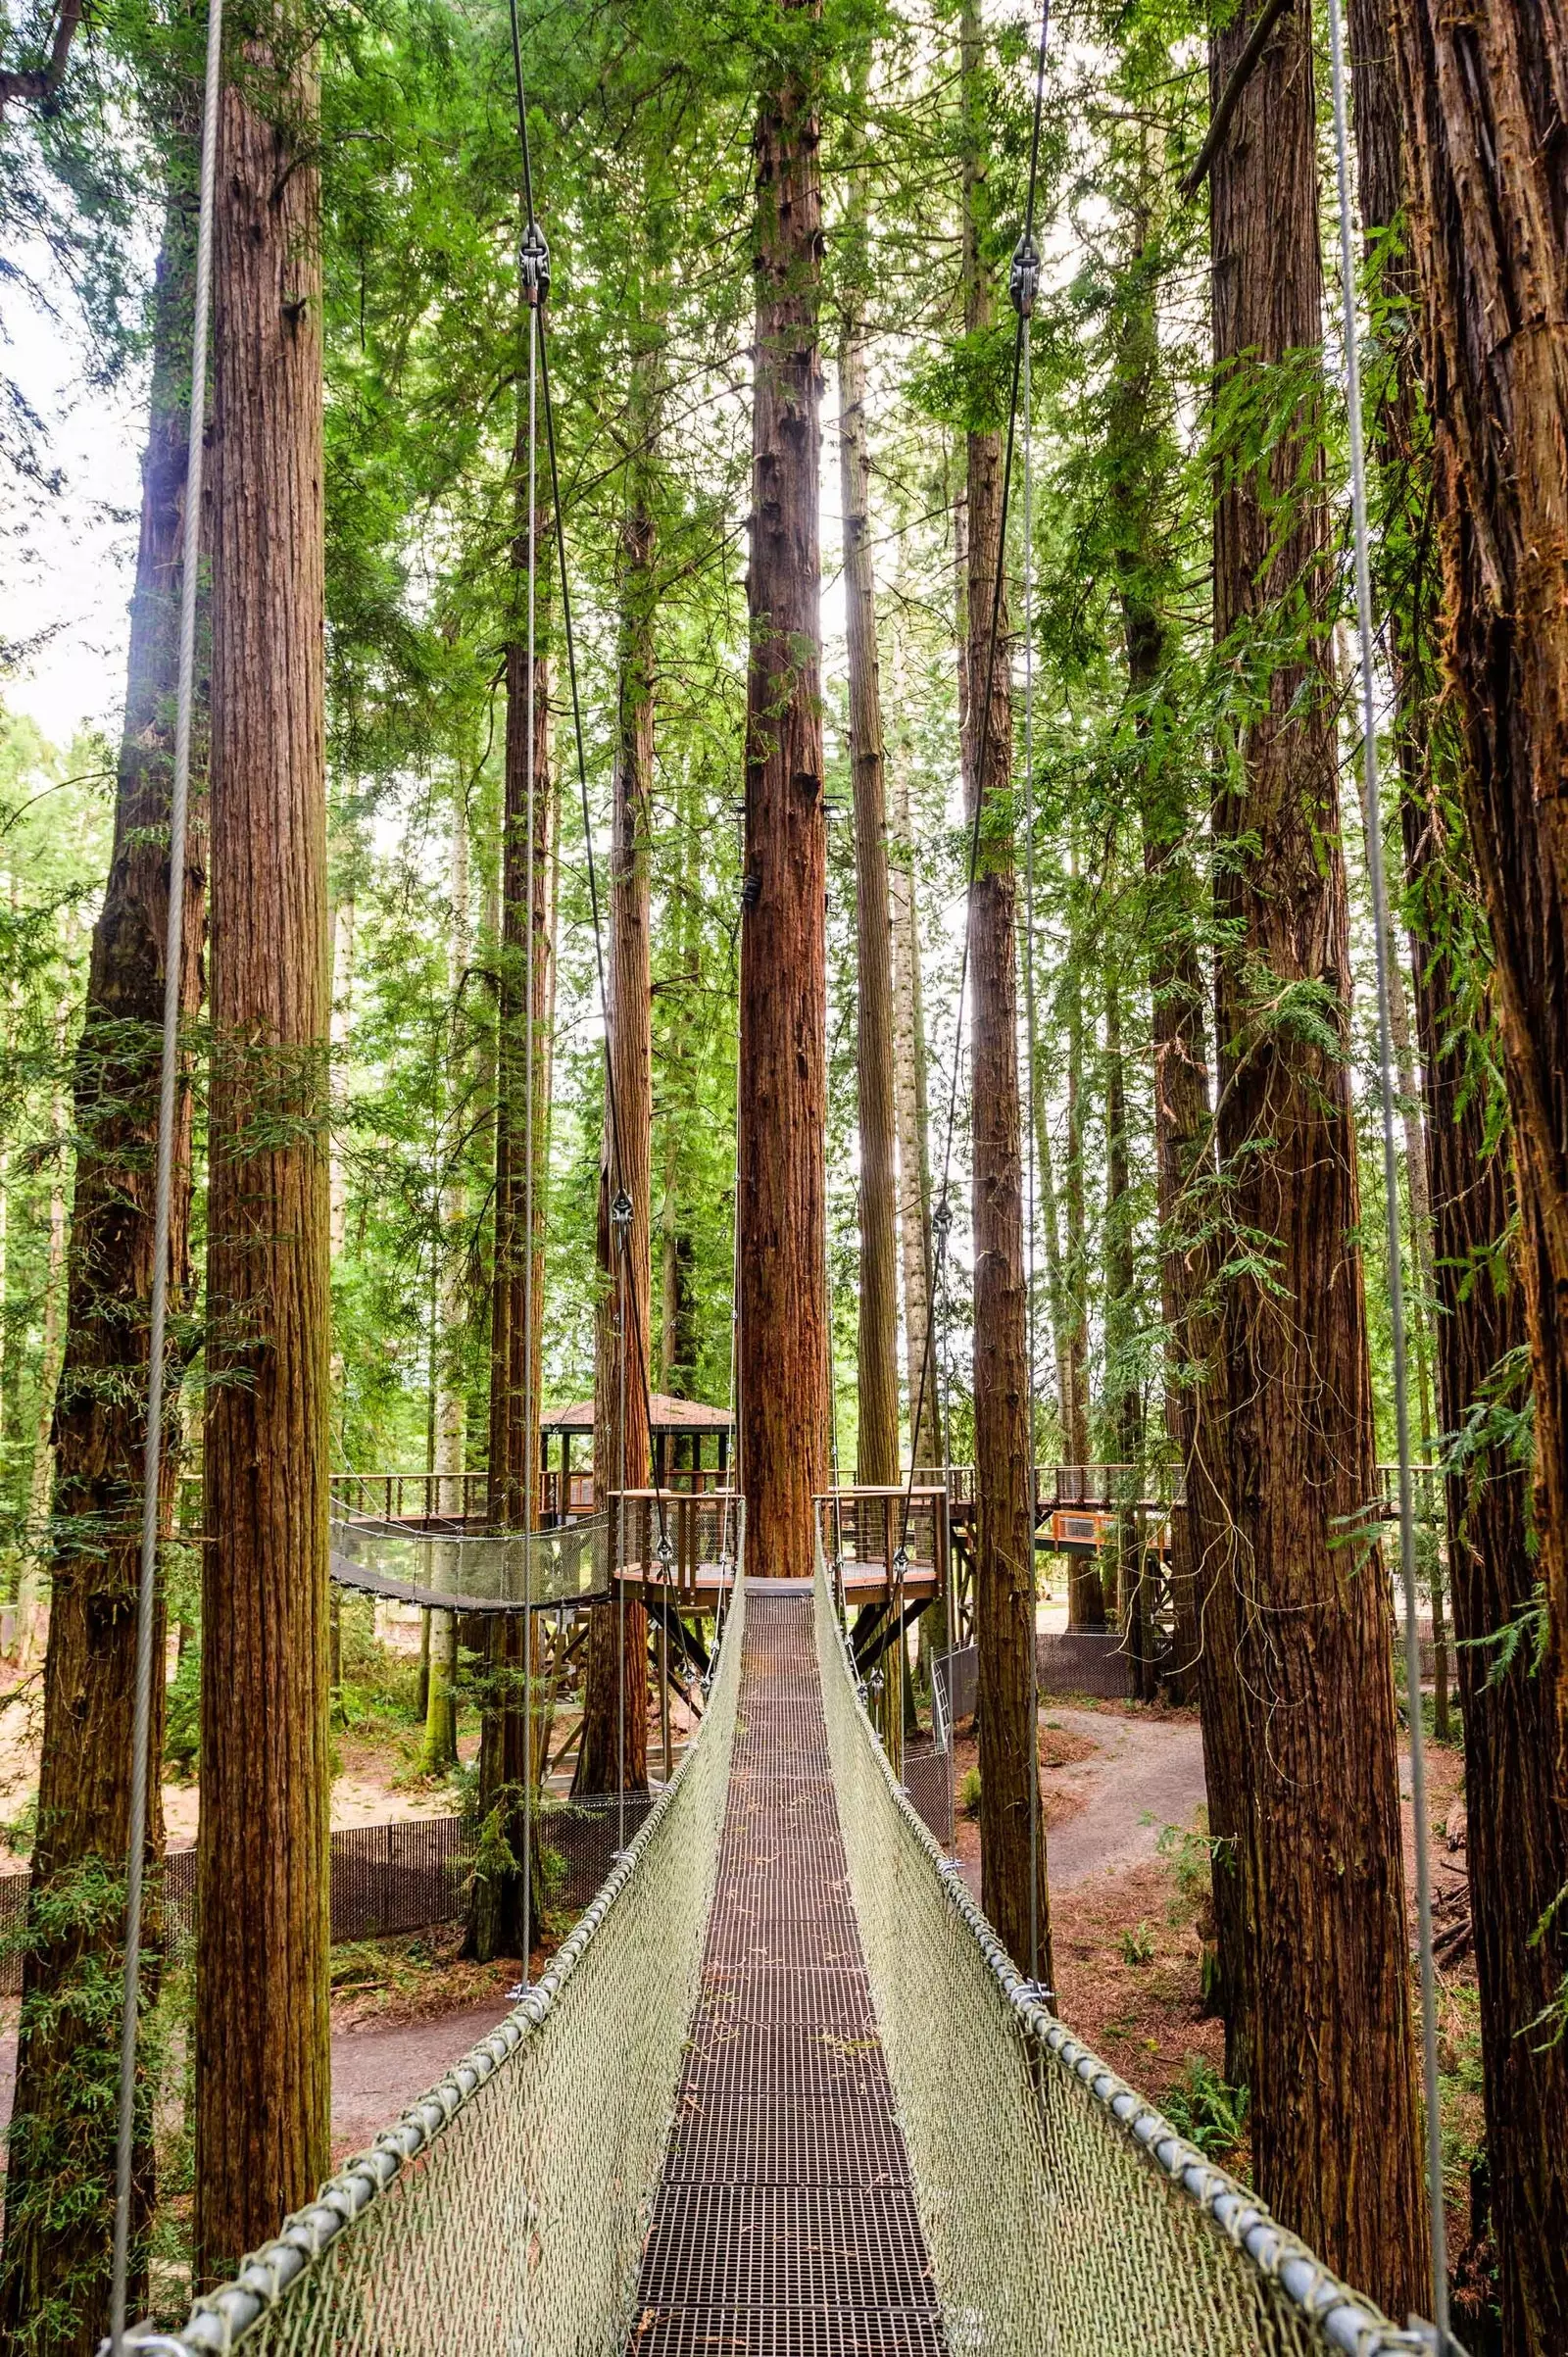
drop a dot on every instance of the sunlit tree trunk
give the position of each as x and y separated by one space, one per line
263 2062
877 1357
783 1078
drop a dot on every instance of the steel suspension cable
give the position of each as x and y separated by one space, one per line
1025 280
1389 1089
163 1184
983 738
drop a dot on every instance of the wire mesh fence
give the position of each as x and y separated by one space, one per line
505 2213
1061 2212
398 1878
462 1571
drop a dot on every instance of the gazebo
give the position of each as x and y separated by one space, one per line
683 1459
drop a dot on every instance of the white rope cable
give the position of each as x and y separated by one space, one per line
530 1431
173 959
1027 311
1391 1176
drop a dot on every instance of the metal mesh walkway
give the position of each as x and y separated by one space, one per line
786 2219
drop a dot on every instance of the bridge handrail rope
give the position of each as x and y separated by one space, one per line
1060 2209
523 2224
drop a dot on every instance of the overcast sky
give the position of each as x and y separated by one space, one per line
69 578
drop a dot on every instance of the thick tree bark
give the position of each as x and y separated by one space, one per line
438 1753
1004 1538
261 2041
497 1902
1075 1277
877 1355
1517 1824
1202 1582
1337 2134
1484 95
617 1637
783 1081
53 2276
1126 1399
913 1128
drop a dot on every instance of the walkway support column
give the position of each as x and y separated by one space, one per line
781 1206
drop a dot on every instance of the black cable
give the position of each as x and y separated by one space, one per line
617 1166
942 1213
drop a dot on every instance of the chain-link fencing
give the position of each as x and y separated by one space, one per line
505 2214
1064 2215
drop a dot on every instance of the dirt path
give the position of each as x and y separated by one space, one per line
1105 1811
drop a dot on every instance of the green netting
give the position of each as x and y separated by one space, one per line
505 2213
1062 2213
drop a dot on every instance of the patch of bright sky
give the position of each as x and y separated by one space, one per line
66 583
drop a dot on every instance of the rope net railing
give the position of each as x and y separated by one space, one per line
457 1571
1062 2213
505 2214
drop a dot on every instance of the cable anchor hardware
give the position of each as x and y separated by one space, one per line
1023 279
620 1210
900 1560
665 1549
942 1223
533 265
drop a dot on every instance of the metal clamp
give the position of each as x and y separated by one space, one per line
533 265
620 1209
1023 279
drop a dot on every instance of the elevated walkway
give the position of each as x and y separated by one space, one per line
780 2093
786 2219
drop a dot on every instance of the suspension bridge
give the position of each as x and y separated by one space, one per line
782 2091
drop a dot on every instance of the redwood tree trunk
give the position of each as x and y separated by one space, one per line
617 1637
878 1445
54 2279
496 1906
1484 95
1337 2134
1150 585
781 1211
1004 1576
1516 1822
914 1158
262 2044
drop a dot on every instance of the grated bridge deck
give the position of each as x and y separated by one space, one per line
785 2222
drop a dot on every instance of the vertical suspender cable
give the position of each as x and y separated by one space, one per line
535 288
1024 284
1391 1186
173 959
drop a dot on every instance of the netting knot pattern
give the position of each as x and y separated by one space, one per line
504 2213
1062 2212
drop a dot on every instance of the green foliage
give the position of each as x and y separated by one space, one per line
969 1793
1138 1944
1206 2110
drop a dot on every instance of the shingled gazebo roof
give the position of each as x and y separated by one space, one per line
668 1415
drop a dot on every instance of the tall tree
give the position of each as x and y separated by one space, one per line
909 1096
1145 563
438 1752
1335 2136
1124 1390
1482 103
1012 1825
877 1355
783 1055
497 1905
1516 1819
262 2039
615 1688
54 2274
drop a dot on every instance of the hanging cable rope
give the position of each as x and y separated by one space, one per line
1024 286
534 271
984 735
162 1186
1391 1187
